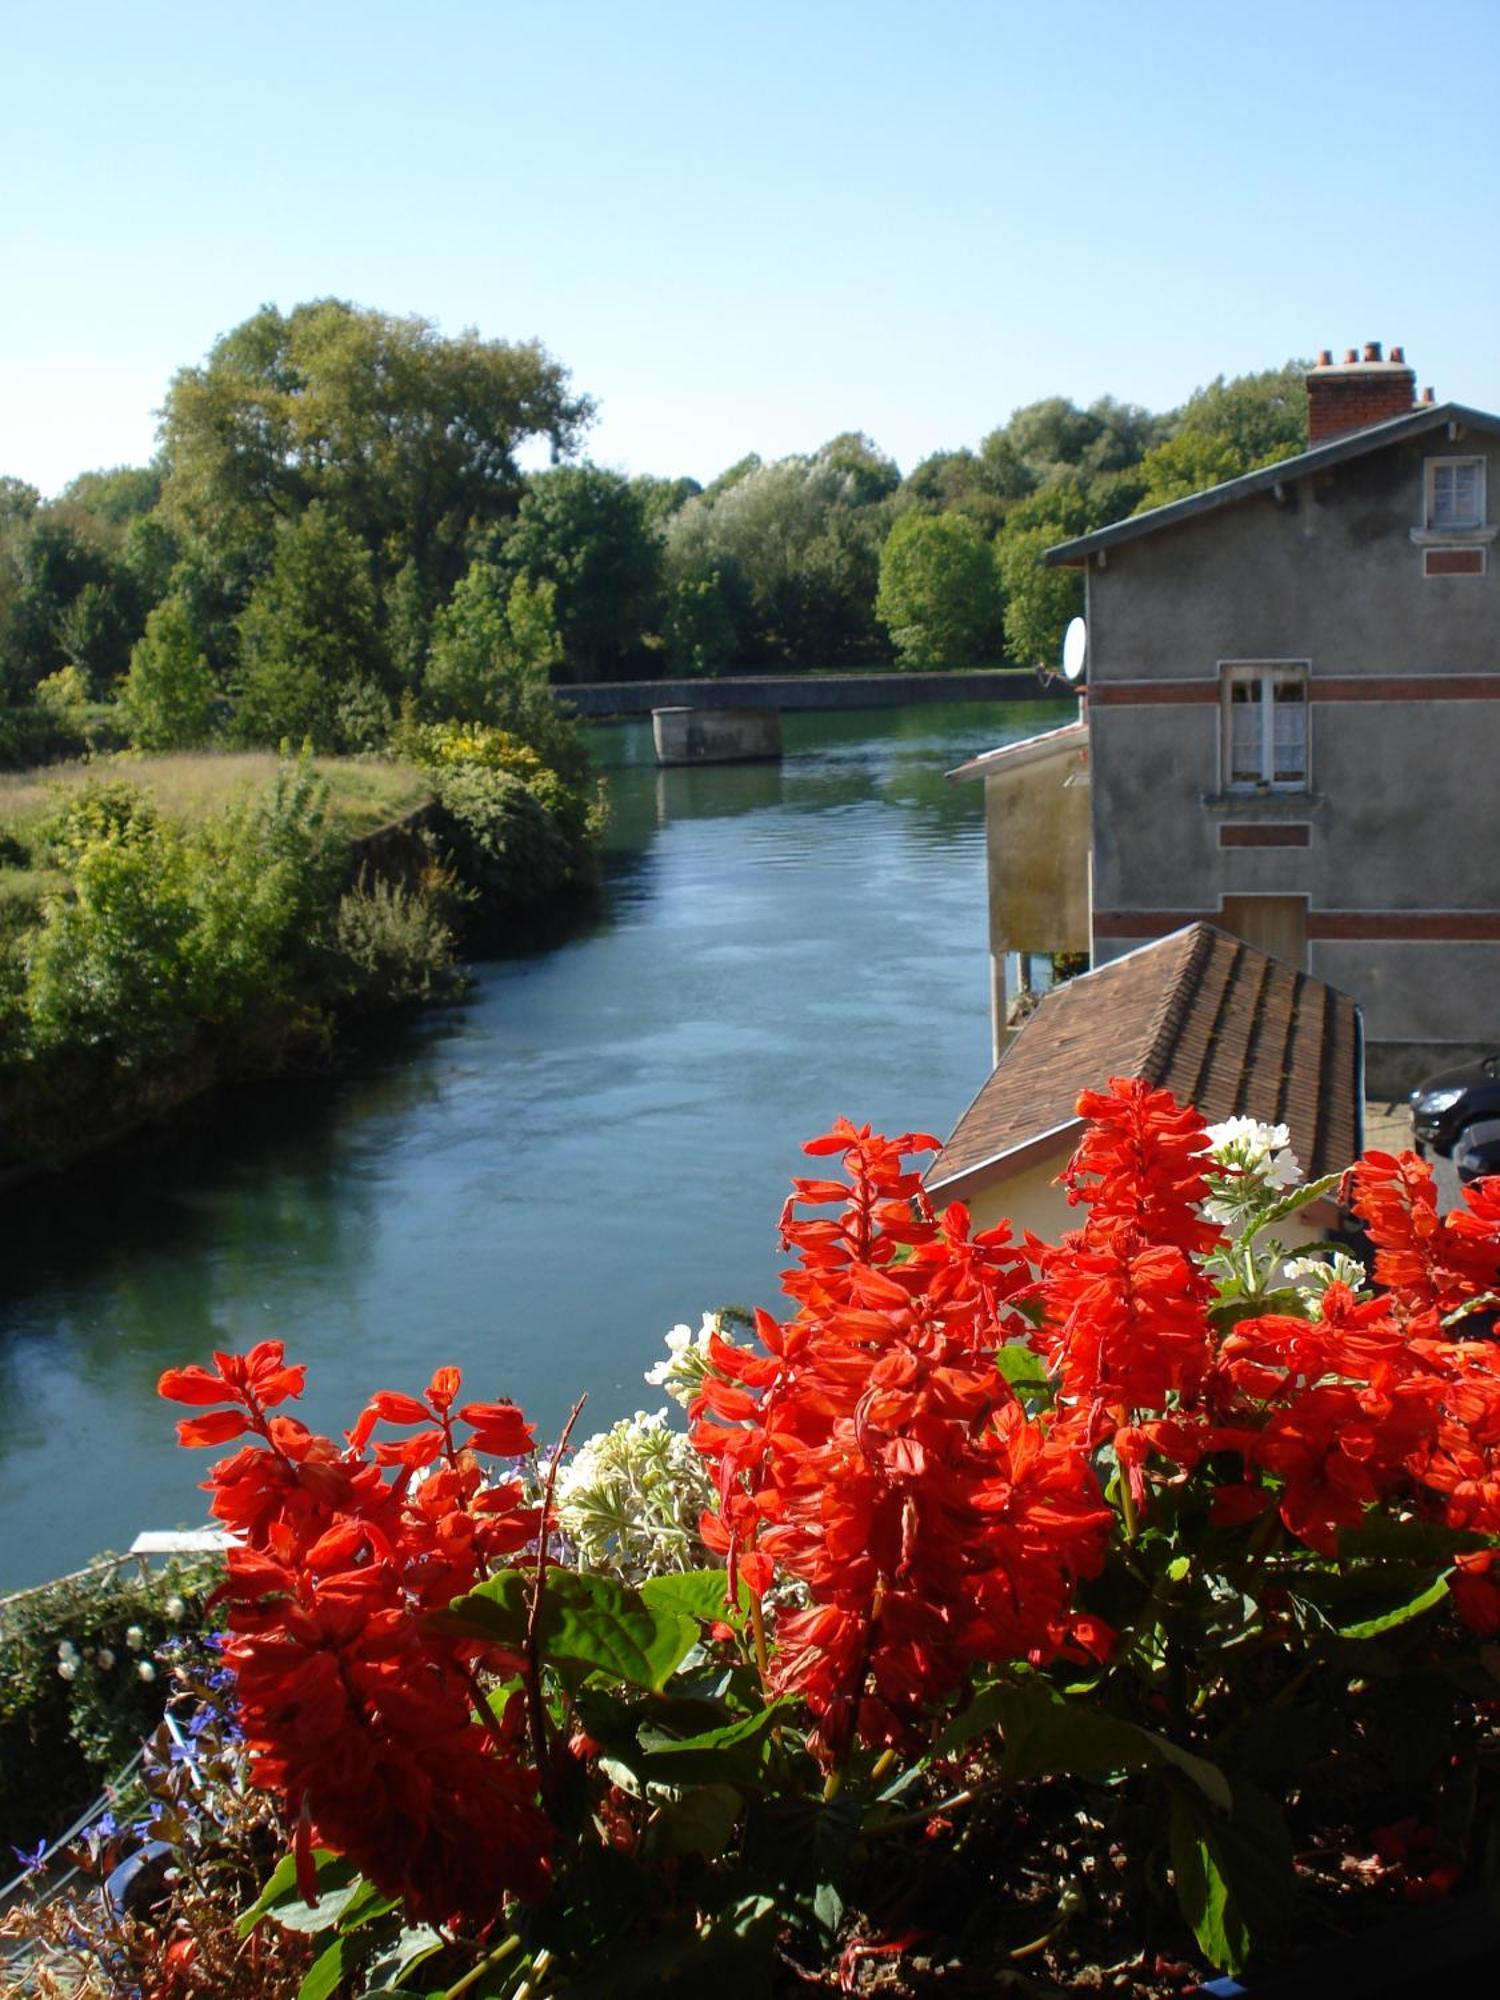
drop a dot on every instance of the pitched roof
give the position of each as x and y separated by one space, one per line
1068 740
1220 1024
1427 417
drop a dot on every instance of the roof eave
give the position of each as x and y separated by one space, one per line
1074 554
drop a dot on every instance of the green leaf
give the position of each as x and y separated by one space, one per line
699 1593
1234 1875
1296 1200
588 1621
748 1728
1371 1628
702 1821
1238 1305
731 1754
416 1944
1018 1364
325 1975
1026 1373
342 1891
1043 1735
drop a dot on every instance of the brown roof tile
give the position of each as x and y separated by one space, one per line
1214 1020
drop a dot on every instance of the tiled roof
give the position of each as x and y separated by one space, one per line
1215 1021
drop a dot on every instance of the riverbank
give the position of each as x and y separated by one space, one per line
810 693
169 924
536 1183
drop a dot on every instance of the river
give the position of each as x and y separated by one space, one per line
538 1183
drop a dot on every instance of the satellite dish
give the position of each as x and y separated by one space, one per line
1075 648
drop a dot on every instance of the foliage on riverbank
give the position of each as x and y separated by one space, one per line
1054 1616
173 922
83 1677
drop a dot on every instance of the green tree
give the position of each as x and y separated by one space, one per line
495 646
170 693
407 438
308 634
1040 601
1227 429
584 531
940 591
804 534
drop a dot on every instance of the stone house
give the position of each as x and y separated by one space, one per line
1293 720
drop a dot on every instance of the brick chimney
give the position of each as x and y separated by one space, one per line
1357 392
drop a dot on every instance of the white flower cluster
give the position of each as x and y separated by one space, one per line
631 1497
687 1362
1254 1162
1313 1275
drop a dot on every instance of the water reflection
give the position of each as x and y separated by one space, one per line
537 1184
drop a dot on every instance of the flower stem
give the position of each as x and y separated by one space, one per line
536 1701
487 1964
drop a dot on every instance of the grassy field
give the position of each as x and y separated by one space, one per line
364 792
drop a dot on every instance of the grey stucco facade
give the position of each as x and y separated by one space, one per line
1380 862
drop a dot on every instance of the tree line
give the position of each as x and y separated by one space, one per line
337 530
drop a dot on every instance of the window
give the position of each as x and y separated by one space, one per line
1265 728
1455 494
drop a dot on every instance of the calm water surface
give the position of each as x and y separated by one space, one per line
538 1183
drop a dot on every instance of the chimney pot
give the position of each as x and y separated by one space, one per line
1325 358
1359 395
1427 395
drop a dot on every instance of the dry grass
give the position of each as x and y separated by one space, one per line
365 792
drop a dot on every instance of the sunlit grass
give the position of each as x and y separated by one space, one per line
364 793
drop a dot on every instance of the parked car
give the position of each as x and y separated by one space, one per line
1476 1151
1445 1104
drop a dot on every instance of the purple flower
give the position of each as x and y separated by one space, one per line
31 1862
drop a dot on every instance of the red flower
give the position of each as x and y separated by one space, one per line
353 1707
871 1449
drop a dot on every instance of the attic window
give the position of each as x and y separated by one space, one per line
1455 494
1265 728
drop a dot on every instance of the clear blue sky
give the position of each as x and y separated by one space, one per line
749 228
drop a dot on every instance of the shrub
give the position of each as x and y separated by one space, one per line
394 942
82 1681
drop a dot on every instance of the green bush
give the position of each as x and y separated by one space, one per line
393 943
504 843
168 931
82 1680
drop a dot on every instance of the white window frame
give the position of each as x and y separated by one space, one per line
1432 469
1267 674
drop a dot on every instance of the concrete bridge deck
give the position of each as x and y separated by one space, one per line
599 699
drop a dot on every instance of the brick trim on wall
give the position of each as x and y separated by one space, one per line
1325 926
1333 687
1265 833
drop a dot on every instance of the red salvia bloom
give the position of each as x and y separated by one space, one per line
354 1707
873 1451
1127 1307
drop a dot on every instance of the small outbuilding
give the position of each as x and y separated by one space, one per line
1218 1022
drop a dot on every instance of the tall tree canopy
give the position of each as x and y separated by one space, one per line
785 557
409 439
